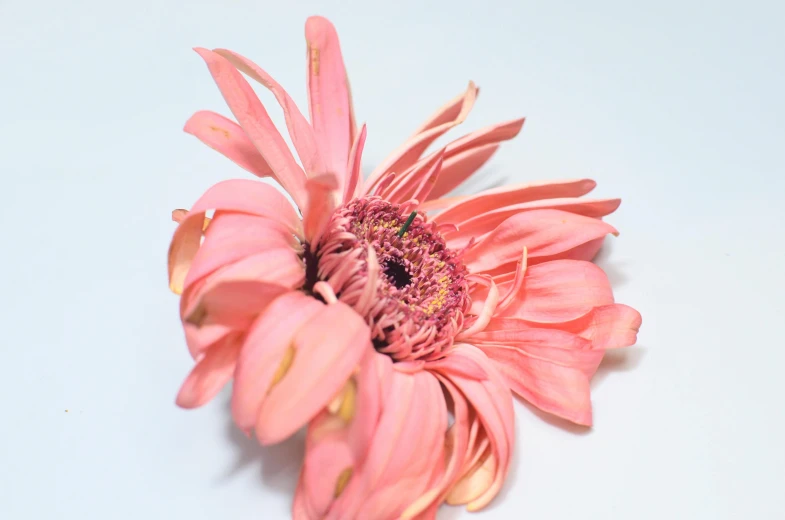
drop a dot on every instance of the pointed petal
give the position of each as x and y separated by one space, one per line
471 206
300 130
210 374
354 182
324 358
256 123
411 151
459 167
485 222
489 135
328 95
227 138
559 291
415 182
445 114
244 196
543 232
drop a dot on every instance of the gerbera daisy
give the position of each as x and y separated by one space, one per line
392 323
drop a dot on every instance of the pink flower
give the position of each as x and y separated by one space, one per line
391 322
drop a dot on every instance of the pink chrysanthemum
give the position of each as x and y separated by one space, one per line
391 322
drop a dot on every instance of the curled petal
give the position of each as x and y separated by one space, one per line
324 358
264 350
491 401
242 196
234 236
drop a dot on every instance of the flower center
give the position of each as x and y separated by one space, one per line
413 292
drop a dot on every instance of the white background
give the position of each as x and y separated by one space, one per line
677 107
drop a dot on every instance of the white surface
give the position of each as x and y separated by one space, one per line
675 107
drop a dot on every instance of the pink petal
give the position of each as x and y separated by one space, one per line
233 303
199 339
559 291
258 126
552 387
300 130
459 167
543 232
492 402
328 95
327 456
608 326
485 314
415 182
587 252
325 356
396 470
485 136
354 181
334 445
458 444
554 346
210 374
411 151
489 136
486 222
281 267
445 114
244 196
529 335
265 345
322 199
234 236
469 207
227 138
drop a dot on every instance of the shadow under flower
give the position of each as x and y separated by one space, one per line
279 464
612 268
618 360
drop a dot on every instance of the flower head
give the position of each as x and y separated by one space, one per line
392 322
